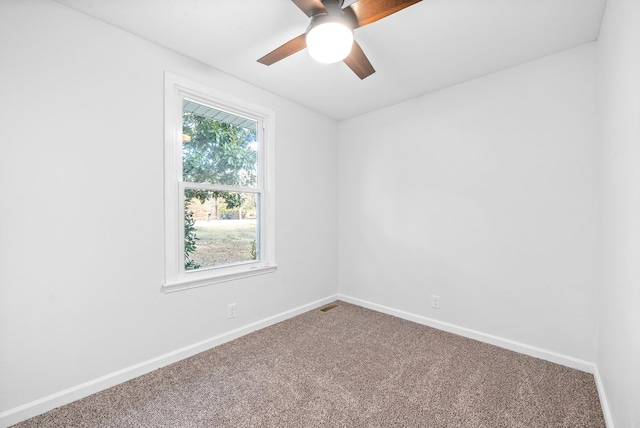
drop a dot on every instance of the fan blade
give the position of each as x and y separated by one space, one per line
358 62
368 11
310 7
289 48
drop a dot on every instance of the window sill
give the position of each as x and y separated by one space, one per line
188 283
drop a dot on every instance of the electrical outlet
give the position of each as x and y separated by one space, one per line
231 310
435 301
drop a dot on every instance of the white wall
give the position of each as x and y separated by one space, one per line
81 224
485 194
619 322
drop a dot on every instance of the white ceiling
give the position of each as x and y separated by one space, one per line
428 46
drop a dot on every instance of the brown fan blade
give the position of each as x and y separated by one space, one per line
368 11
310 7
358 62
289 48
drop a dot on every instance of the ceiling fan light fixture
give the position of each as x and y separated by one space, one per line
328 16
329 42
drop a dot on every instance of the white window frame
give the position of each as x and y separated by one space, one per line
176 277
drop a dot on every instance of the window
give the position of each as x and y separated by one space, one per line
218 187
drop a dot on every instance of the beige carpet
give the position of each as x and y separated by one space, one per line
348 367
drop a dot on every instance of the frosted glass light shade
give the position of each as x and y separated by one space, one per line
329 42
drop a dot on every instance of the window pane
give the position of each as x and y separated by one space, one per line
221 228
218 147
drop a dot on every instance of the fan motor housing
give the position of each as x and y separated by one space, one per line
334 13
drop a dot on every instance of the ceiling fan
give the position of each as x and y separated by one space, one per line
329 36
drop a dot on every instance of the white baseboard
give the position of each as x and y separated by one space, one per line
511 345
608 417
44 404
